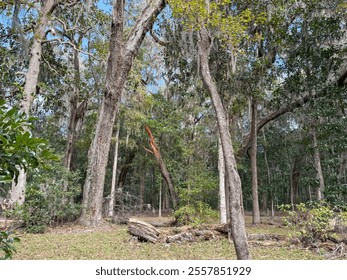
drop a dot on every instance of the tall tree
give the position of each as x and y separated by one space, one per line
122 51
31 80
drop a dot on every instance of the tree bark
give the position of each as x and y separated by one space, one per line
221 171
114 175
31 79
163 170
318 166
295 181
122 52
77 111
254 171
237 220
142 187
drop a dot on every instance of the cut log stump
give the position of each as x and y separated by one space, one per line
143 230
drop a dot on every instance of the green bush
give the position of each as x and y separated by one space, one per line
47 203
195 214
313 221
6 245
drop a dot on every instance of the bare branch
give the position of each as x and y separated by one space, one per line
158 40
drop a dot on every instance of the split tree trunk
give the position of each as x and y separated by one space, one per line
31 79
254 171
163 170
122 52
238 229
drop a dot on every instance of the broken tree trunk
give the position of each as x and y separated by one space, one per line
143 230
163 170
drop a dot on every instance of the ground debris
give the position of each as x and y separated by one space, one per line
192 235
143 230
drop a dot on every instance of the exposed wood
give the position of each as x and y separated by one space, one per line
143 230
163 170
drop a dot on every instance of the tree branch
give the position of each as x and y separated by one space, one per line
158 40
270 117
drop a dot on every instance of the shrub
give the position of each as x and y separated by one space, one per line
313 221
195 214
6 245
47 203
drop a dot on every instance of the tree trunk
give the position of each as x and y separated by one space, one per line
295 181
77 111
318 166
122 52
142 187
160 200
221 171
31 79
163 170
237 220
254 172
114 175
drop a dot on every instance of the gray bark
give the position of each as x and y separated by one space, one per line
114 175
318 166
254 172
122 52
31 79
77 111
221 171
238 229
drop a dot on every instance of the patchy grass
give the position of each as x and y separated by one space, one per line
72 242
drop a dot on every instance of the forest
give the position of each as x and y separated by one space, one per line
217 123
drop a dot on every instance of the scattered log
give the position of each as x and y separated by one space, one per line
264 236
191 236
143 230
119 220
162 223
6 224
222 228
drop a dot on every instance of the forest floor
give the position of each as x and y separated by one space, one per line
111 241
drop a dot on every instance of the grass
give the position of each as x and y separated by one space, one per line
71 242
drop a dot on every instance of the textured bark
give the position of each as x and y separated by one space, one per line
122 52
143 230
254 171
295 181
77 111
125 169
114 175
163 170
221 171
31 80
237 220
142 187
318 166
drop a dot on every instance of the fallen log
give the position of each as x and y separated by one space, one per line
143 230
191 236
